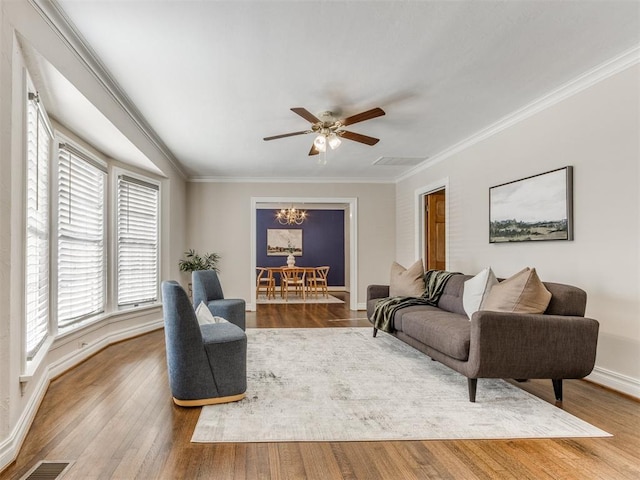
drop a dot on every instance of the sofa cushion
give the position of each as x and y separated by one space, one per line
520 293
446 332
406 282
399 315
476 290
451 298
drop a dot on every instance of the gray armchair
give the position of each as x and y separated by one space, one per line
206 288
206 364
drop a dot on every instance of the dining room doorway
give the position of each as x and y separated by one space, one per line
350 236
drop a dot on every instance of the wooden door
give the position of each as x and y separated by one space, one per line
435 239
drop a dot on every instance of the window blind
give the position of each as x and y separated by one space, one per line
38 147
137 241
81 236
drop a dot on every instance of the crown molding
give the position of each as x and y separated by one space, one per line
288 180
62 26
591 77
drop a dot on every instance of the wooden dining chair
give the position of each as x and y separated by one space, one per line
318 280
293 279
265 282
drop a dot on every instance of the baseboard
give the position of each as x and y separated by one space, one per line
10 448
615 381
74 358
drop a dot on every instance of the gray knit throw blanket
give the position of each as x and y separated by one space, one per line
386 308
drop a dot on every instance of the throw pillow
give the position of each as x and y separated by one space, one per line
204 315
476 290
520 293
407 282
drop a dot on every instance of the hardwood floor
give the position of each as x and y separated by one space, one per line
113 417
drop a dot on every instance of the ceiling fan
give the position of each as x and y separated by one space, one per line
329 129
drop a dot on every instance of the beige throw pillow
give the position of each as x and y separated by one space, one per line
407 282
520 293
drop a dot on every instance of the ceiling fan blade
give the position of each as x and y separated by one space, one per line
306 114
314 150
287 135
357 137
361 117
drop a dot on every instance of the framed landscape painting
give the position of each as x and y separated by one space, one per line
533 209
282 241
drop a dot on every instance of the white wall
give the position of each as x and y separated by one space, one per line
19 400
598 132
219 221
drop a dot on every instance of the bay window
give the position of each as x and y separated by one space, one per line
81 236
137 231
39 138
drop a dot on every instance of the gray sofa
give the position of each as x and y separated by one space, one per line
559 344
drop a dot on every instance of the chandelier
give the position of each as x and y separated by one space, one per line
291 216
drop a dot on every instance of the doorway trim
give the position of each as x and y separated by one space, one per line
420 194
352 202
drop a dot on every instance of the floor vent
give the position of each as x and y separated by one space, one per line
47 470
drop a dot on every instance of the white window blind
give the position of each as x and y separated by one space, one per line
81 236
39 140
137 241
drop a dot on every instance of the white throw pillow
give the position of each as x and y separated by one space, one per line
406 282
204 315
476 290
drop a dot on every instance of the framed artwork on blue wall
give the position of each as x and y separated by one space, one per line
284 241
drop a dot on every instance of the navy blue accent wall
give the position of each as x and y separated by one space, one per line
322 242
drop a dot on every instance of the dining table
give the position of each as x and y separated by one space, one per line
280 270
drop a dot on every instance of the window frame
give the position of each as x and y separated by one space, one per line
116 174
63 143
33 352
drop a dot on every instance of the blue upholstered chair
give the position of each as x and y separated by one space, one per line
207 364
206 288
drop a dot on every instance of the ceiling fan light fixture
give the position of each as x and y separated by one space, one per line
328 129
320 143
334 141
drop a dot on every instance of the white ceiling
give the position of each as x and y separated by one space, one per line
212 78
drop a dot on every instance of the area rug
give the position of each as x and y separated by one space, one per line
292 298
341 384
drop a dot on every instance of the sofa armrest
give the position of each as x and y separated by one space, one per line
377 291
510 345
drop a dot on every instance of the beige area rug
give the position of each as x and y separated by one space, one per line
262 299
341 384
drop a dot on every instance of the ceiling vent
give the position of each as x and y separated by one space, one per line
400 161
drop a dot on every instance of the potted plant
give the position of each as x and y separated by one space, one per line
194 261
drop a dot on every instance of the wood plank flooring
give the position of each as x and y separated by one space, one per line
113 416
